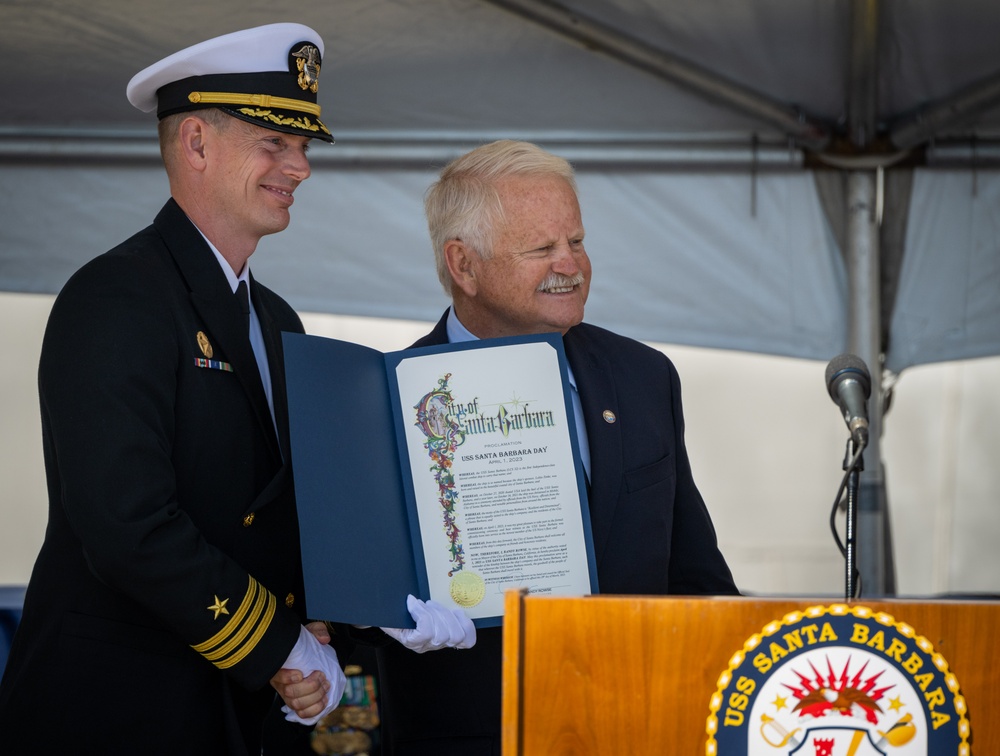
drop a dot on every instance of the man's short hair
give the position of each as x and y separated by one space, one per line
464 203
169 127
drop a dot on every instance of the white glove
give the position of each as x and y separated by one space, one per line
307 656
437 627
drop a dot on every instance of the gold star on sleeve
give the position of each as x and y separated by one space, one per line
243 630
219 607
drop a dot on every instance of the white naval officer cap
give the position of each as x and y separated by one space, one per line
268 76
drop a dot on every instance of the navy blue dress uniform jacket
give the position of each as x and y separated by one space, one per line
652 535
164 595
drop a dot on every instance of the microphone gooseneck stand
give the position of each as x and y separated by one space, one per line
849 384
853 465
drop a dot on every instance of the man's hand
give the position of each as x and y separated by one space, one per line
311 682
320 631
305 696
437 627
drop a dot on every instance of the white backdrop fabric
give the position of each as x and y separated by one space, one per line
717 260
686 251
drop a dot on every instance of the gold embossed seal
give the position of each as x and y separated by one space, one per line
467 588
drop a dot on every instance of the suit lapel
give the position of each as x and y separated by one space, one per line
217 307
595 383
437 336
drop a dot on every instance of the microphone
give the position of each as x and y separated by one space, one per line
850 385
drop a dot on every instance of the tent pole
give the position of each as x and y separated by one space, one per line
875 559
954 112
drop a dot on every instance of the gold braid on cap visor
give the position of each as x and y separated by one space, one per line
260 100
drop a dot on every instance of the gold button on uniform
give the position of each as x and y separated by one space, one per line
290 600
248 520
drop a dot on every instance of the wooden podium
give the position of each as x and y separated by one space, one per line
660 675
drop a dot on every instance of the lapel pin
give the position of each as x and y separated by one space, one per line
203 344
609 416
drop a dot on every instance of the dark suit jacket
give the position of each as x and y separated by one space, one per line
169 497
652 535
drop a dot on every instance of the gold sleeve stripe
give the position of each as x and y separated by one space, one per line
234 622
258 100
240 635
243 631
254 639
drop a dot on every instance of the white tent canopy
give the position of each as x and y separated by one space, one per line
698 197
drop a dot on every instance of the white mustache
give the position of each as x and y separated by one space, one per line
559 281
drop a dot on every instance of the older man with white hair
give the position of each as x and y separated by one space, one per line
508 239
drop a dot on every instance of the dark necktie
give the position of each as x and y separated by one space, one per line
243 297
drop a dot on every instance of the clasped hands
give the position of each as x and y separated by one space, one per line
311 683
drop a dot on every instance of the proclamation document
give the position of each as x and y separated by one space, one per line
490 443
450 472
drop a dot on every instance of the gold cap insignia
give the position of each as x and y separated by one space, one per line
609 416
203 344
219 607
290 600
308 64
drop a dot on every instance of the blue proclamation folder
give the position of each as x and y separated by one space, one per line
361 546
